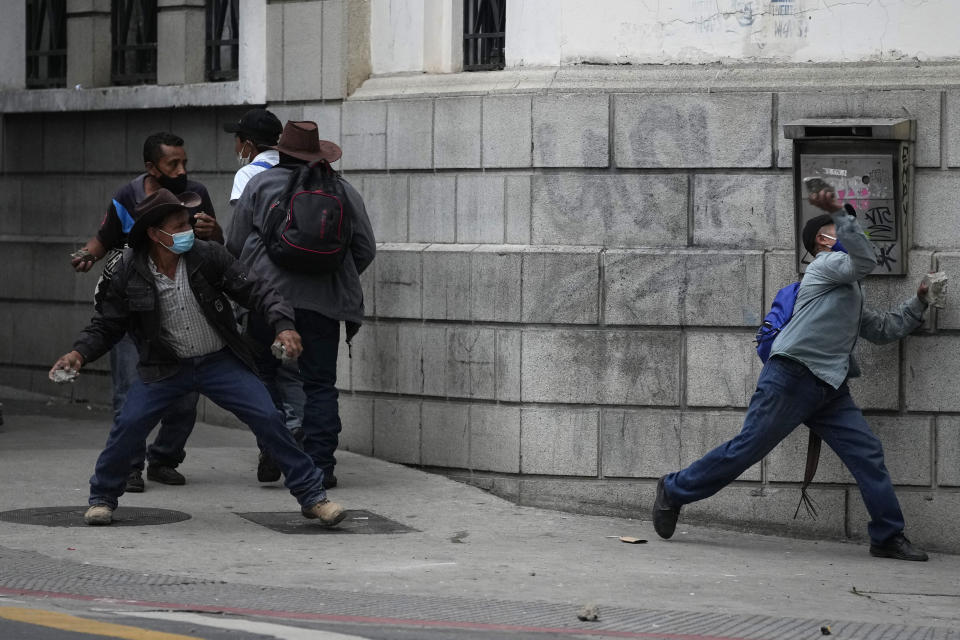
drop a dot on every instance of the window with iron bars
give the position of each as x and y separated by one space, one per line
484 34
46 44
133 24
223 40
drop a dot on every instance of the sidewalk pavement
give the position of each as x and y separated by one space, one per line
467 547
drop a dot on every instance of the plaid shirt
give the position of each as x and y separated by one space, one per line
183 325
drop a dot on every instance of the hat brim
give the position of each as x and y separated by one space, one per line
189 200
328 151
232 127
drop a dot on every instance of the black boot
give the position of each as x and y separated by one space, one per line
664 513
898 548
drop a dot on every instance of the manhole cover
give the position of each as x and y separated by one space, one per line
356 521
73 516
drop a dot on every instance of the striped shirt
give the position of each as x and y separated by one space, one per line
182 323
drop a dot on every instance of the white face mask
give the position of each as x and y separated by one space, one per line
241 159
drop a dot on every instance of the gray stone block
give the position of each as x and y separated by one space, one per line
422 362
356 414
60 326
518 210
22 144
103 135
561 285
344 366
686 130
51 277
302 50
18 280
509 347
456 141
780 269
953 128
879 385
923 106
375 358
495 438
949 316
480 208
410 134
597 497
396 430
722 369
327 117
932 373
62 142
368 282
495 284
333 81
507 137
699 288
743 211
447 274
610 210
399 280
601 367
883 293
385 197
445 433
364 135
651 443
225 142
471 362
141 124
43 203
432 208
906 444
559 441
286 112
199 130
11 208
571 130
948 451
273 31
936 218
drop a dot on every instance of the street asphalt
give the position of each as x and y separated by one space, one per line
418 552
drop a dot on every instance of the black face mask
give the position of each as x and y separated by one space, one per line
176 185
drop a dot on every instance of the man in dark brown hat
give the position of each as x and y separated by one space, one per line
169 293
321 301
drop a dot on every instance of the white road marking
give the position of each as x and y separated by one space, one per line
279 631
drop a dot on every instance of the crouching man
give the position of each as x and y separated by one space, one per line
168 292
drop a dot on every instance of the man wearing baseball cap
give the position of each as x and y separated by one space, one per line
170 293
256 133
805 381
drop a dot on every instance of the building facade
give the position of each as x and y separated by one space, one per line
577 240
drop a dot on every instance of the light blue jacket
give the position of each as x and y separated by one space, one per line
829 312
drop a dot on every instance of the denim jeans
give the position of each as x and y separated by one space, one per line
318 369
176 423
788 394
225 380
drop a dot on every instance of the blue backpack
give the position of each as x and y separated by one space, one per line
776 319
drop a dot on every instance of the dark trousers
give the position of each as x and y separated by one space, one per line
224 379
318 368
787 395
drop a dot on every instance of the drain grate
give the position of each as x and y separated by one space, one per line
73 516
356 521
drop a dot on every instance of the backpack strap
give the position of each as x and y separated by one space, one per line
813 461
262 163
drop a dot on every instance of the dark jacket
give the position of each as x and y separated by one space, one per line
130 304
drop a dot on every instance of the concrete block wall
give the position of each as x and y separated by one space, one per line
567 285
565 297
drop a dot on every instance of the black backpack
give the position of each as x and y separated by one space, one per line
309 227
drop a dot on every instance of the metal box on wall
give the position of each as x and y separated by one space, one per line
869 162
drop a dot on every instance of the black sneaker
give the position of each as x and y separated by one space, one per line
134 482
267 469
664 513
898 548
165 475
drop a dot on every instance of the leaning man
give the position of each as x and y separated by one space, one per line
168 292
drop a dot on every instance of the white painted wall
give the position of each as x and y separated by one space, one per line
415 35
558 32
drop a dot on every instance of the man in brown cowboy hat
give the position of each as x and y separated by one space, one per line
168 292
321 301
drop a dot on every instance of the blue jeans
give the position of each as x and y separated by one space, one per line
224 379
789 394
176 423
318 368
